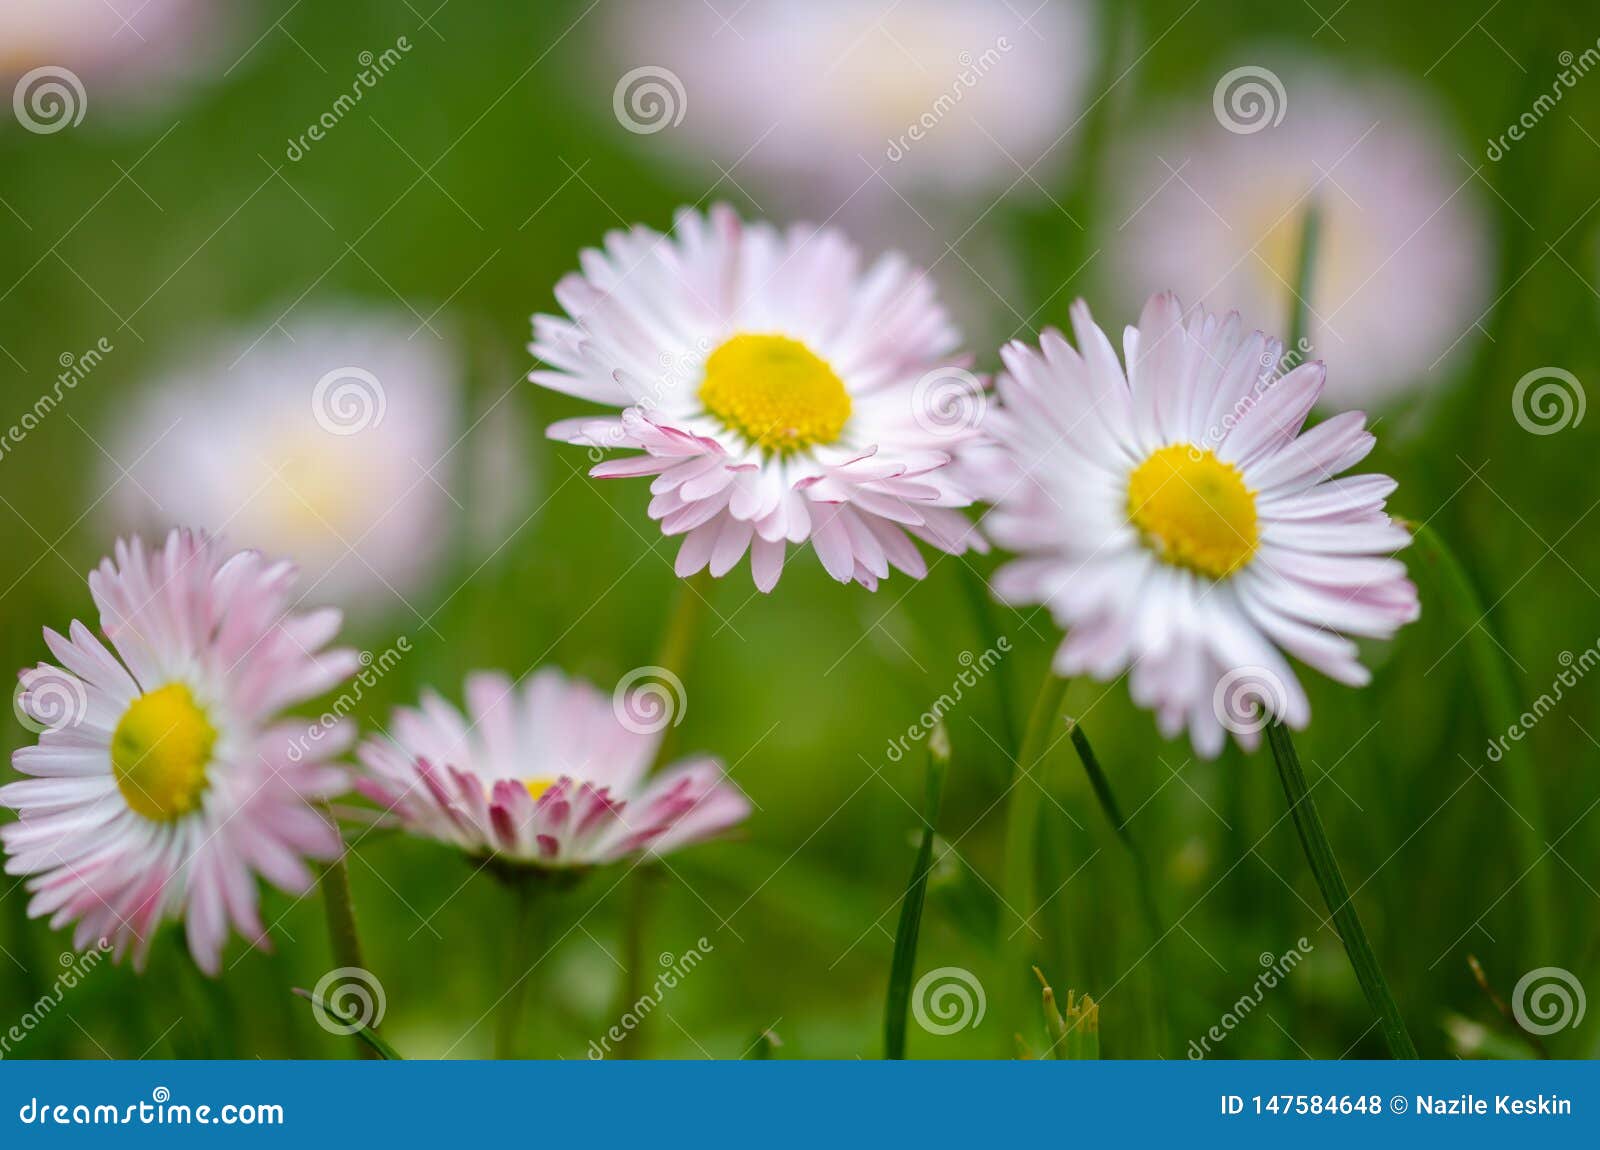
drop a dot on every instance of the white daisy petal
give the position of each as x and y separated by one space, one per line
163 794
1212 539
766 376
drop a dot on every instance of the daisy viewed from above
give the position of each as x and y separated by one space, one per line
165 779
778 392
551 773
1181 526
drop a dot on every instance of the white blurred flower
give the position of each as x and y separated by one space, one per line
331 445
1404 263
134 50
812 95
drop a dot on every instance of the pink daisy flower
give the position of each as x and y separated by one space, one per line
1182 527
778 394
164 778
551 773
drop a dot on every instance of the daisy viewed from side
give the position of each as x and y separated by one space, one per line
551 773
165 779
1181 527
778 393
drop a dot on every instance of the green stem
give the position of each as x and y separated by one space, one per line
509 1023
673 656
340 912
1300 307
1101 786
1335 894
1022 840
903 965
634 921
678 643
1005 682
1498 697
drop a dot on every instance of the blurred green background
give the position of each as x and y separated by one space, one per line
467 181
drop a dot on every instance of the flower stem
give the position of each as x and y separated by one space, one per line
673 656
1497 695
1022 841
1005 682
1101 786
1305 274
676 649
509 1023
340 912
903 964
1335 894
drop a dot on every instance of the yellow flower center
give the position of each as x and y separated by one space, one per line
159 753
537 787
775 392
1194 510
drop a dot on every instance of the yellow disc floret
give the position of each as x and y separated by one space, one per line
775 392
1194 510
537 787
160 751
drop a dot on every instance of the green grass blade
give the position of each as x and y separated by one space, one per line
904 963
1498 697
1319 853
365 1033
1021 880
1101 786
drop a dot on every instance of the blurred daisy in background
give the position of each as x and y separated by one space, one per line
1216 195
1180 526
164 780
551 772
805 98
331 442
779 393
133 51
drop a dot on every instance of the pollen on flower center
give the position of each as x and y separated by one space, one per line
537 787
1194 510
159 753
775 392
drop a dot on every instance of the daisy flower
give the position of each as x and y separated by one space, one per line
1181 526
1405 262
165 779
64 54
551 773
334 442
777 393
829 101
